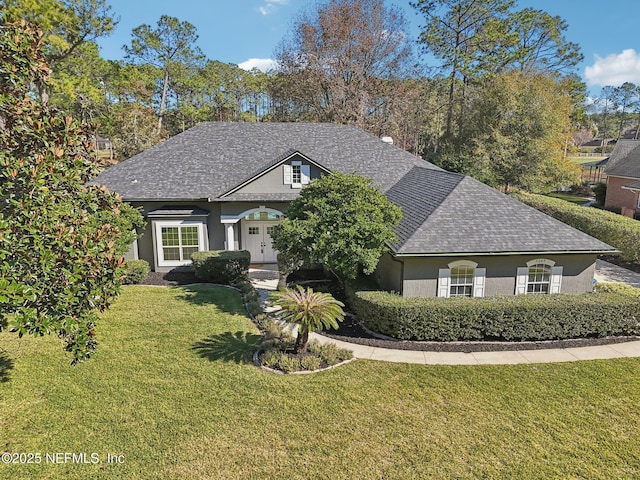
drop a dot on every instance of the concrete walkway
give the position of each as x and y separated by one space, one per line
265 279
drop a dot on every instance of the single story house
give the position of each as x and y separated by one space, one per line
623 177
225 185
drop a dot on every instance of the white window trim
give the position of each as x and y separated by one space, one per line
444 278
305 174
555 278
177 223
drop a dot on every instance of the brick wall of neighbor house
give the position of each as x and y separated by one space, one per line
421 274
618 197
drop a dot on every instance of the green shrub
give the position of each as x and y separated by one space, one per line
136 272
288 364
271 357
222 266
609 312
311 362
600 192
620 232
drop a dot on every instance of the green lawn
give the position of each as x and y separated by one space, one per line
586 159
171 390
567 197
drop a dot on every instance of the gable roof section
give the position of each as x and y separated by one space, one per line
210 159
625 159
289 154
460 215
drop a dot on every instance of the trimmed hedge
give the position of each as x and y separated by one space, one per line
136 271
611 311
222 266
620 232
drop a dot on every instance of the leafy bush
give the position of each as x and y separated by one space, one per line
620 232
222 266
136 272
600 191
329 353
311 362
610 311
271 357
288 364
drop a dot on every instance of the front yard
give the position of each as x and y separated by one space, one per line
171 394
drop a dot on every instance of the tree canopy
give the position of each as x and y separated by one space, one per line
341 221
61 242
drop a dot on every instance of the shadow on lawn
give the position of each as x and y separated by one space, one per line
230 347
226 299
6 364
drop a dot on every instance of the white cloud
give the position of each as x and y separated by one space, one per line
614 69
263 64
271 5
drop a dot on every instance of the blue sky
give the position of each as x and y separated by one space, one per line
246 32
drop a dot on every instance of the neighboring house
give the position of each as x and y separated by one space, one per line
225 185
623 178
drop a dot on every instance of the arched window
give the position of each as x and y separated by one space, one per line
461 279
539 276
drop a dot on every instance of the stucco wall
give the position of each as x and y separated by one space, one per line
421 274
273 181
618 197
388 274
215 229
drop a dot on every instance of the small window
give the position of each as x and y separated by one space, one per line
254 230
270 230
539 278
461 281
296 174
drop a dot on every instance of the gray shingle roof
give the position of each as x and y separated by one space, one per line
444 212
213 157
625 159
448 213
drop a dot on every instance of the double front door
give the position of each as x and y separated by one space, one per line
256 237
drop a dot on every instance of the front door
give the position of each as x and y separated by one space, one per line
256 237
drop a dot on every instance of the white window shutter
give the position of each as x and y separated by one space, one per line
479 275
444 282
556 280
287 174
305 173
521 280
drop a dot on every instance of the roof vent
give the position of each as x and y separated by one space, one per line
388 140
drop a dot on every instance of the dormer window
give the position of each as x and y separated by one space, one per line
296 174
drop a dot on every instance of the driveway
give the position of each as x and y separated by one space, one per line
608 272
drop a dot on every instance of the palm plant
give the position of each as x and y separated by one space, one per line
313 311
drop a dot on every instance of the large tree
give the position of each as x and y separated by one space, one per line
61 241
519 125
464 34
170 47
337 62
68 26
341 221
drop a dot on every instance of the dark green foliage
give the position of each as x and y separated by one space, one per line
136 272
610 311
600 191
340 220
60 241
222 266
620 232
